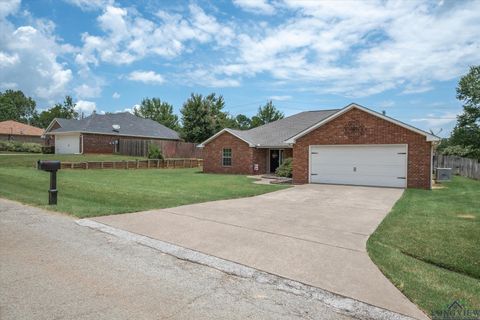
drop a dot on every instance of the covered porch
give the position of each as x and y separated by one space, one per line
274 157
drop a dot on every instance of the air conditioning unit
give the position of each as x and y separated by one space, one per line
444 174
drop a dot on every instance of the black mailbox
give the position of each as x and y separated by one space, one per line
51 166
48 165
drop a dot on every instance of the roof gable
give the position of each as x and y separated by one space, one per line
275 133
428 136
18 128
226 130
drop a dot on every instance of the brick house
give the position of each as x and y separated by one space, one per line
101 133
353 145
11 130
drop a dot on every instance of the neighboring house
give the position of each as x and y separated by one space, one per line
353 145
16 131
99 133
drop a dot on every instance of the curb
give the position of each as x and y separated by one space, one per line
345 305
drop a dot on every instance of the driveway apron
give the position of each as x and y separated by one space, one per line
315 234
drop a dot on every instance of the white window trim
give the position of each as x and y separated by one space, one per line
231 157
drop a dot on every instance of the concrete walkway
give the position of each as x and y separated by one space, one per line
314 234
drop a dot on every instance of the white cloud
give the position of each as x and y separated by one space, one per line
8 85
116 95
149 77
206 78
7 60
357 48
131 110
86 91
89 5
85 107
281 98
437 120
256 6
386 104
8 7
30 60
129 37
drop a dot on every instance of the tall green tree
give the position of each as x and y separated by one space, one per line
59 110
467 130
266 114
202 117
243 122
159 111
14 105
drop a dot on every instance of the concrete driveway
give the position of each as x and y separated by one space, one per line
314 234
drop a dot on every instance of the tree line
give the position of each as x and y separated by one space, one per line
200 116
14 105
464 140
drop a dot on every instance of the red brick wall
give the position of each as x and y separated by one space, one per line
287 153
242 155
98 143
376 131
260 158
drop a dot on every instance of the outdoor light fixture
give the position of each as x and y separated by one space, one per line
51 166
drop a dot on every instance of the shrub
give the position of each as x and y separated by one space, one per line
48 149
15 146
154 152
285 169
3 145
461 151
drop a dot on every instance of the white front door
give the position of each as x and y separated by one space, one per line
368 165
67 143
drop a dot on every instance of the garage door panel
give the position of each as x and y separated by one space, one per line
373 171
373 165
67 144
366 180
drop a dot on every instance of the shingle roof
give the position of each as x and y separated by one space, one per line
17 128
130 125
274 134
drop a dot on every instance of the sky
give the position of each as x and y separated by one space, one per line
403 57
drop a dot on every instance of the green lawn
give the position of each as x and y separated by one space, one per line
429 245
86 193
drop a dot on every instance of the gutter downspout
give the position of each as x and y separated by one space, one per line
81 143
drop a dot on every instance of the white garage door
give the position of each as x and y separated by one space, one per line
367 165
67 144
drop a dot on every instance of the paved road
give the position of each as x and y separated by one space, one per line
51 268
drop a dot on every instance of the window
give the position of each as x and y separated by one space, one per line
227 157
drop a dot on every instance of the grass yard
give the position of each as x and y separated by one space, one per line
87 193
429 245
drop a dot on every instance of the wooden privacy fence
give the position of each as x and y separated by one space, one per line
462 166
135 164
170 149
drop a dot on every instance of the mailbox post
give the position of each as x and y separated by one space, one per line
51 166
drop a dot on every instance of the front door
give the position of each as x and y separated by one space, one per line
274 160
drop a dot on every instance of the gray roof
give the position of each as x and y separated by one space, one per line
130 125
275 133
